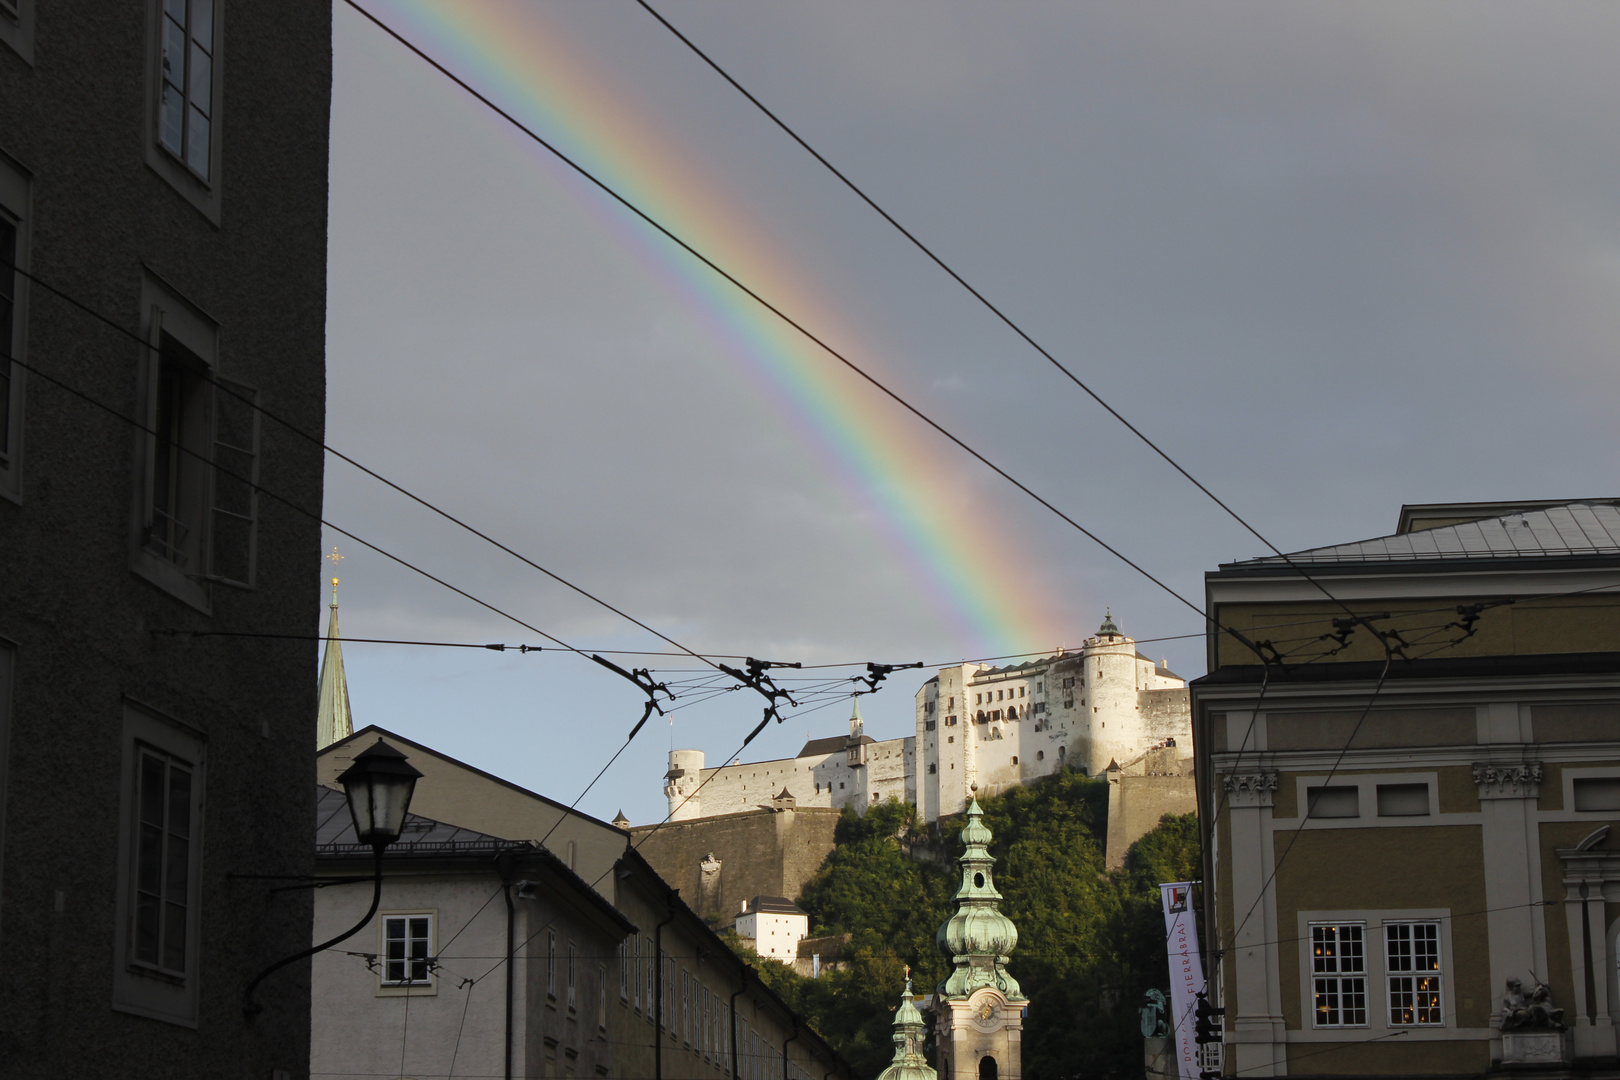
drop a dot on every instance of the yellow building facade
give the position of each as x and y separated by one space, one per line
1408 763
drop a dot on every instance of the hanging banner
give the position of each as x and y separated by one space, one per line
1186 972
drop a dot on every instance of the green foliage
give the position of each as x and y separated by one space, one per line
1090 942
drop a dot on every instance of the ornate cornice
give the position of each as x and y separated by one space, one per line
1512 781
1250 789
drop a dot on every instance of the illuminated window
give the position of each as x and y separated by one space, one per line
1339 971
1412 964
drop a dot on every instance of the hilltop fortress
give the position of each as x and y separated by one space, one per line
996 727
762 828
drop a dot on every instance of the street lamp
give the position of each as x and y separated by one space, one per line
379 785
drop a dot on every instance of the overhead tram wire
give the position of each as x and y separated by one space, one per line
316 440
707 658
758 298
979 296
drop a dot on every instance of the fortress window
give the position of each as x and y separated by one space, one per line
950 703
840 785
998 695
950 738
933 768
928 725
1038 688
1012 713
1015 759
1020 691
978 699
1040 755
950 721
1068 684
1039 706
1063 751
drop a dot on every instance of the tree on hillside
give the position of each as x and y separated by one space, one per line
1090 942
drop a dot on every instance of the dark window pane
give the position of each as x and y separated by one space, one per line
197 142
202 78
202 22
171 114
152 786
146 928
179 801
176 872
174 937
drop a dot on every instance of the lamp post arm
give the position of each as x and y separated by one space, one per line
253 1008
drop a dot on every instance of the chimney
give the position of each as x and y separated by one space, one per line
744 908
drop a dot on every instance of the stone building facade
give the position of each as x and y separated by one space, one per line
656 992
993 727
167 225
1411 805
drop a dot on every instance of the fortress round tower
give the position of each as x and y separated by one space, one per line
681 783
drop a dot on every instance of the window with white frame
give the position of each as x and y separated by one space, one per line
14 204
17 27
551 964
407 953
163 860
160 889
186 86
1339 975
626 976
196 502
649 977
601 997
1412 969
572 955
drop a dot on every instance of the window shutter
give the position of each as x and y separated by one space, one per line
233 533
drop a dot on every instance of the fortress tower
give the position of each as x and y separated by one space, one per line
681 784
978 1009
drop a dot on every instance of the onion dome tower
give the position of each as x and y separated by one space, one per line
979 1007
908 1063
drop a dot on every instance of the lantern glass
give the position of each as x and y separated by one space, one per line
379 786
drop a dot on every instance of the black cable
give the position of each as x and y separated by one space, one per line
783 315
289 503
977 295
316 440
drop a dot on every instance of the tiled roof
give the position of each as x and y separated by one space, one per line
1574 529
830 745
334 833
774 905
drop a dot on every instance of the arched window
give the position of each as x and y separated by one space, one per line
987 1068
1012 712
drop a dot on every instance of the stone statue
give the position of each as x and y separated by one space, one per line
1155 1016
1531 1011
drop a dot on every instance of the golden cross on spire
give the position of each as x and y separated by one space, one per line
336 558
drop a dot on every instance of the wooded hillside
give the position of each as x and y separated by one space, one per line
1090 942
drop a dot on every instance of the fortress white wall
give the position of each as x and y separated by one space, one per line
975 724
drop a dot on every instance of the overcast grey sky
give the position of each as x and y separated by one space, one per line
1333 257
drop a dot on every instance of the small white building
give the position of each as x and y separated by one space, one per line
776 925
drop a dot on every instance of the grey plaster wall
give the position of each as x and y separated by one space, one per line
75 118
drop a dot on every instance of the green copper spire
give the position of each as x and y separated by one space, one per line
909 1063
978 937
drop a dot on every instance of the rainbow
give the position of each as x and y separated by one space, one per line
979 584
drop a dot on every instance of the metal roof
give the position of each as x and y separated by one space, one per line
1582 528
334 833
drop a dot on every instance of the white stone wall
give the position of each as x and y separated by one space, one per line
821 780
975 724
776 934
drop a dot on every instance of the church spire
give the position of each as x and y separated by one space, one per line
333 721
909 1062
978 937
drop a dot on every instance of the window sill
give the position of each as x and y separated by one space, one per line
172 580
415 990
